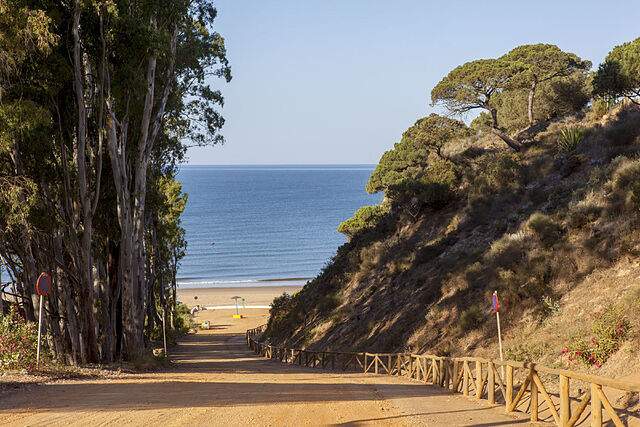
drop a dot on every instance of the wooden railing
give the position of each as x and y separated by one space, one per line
547 394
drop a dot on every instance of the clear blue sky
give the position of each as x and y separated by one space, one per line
338 81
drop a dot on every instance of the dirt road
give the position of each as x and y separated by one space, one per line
217 381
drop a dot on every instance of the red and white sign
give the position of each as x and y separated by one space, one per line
43 286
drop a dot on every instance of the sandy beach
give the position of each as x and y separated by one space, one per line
257 295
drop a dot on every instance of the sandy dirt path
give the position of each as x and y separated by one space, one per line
217 381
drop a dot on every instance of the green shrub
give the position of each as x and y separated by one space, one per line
18 342
624 133
524 352
414 196
600 108
570 138
329 302
470 318
625 187
544 228
365 217
443 171
608 331
497 172
182 319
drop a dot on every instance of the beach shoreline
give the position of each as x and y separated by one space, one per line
216 296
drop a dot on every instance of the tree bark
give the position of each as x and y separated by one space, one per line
496 131
532 94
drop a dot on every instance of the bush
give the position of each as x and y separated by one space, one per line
18 342
625 187
497 172
182 319
624 133
414 196
600 108
608 331
470 318
365 217
544 228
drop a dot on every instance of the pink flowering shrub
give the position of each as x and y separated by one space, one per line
18 341
608 329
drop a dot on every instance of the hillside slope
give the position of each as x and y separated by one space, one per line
556 232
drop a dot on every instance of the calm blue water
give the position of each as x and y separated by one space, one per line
267 222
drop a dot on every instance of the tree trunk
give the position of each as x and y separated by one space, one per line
496 131
532 94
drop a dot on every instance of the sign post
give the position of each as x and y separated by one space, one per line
495 308
43 286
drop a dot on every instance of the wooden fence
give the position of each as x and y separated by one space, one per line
553 395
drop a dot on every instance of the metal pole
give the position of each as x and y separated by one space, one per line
237 314
39 333
164 331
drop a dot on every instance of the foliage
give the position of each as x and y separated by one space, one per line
541 63
608 330
414 196
475 85
619 75
497 172
18 341
182 319
365 217
524 352
472 85
470 318
410 157
553 99
544 228
570 138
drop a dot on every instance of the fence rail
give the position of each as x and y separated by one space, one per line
493 380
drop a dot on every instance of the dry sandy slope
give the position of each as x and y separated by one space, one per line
218 381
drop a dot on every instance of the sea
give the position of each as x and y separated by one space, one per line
266 225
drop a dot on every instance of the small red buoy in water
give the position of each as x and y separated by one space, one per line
212 243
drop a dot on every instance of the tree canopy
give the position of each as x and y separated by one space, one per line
540 63
619 75
474 85
410 158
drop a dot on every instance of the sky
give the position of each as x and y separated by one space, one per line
338 81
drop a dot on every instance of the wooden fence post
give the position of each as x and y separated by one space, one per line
534 402
491 384
565 407
478 379
596 406
465 379
509 397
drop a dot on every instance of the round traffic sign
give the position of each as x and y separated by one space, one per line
43 286
495 301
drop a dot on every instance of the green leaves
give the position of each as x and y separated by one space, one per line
410 158
365 217
619 75
472 84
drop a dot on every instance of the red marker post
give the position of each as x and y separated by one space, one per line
495 308
43 286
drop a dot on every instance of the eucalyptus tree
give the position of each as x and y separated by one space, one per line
619 75
543 63
474 85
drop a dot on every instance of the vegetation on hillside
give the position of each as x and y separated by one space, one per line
551 221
